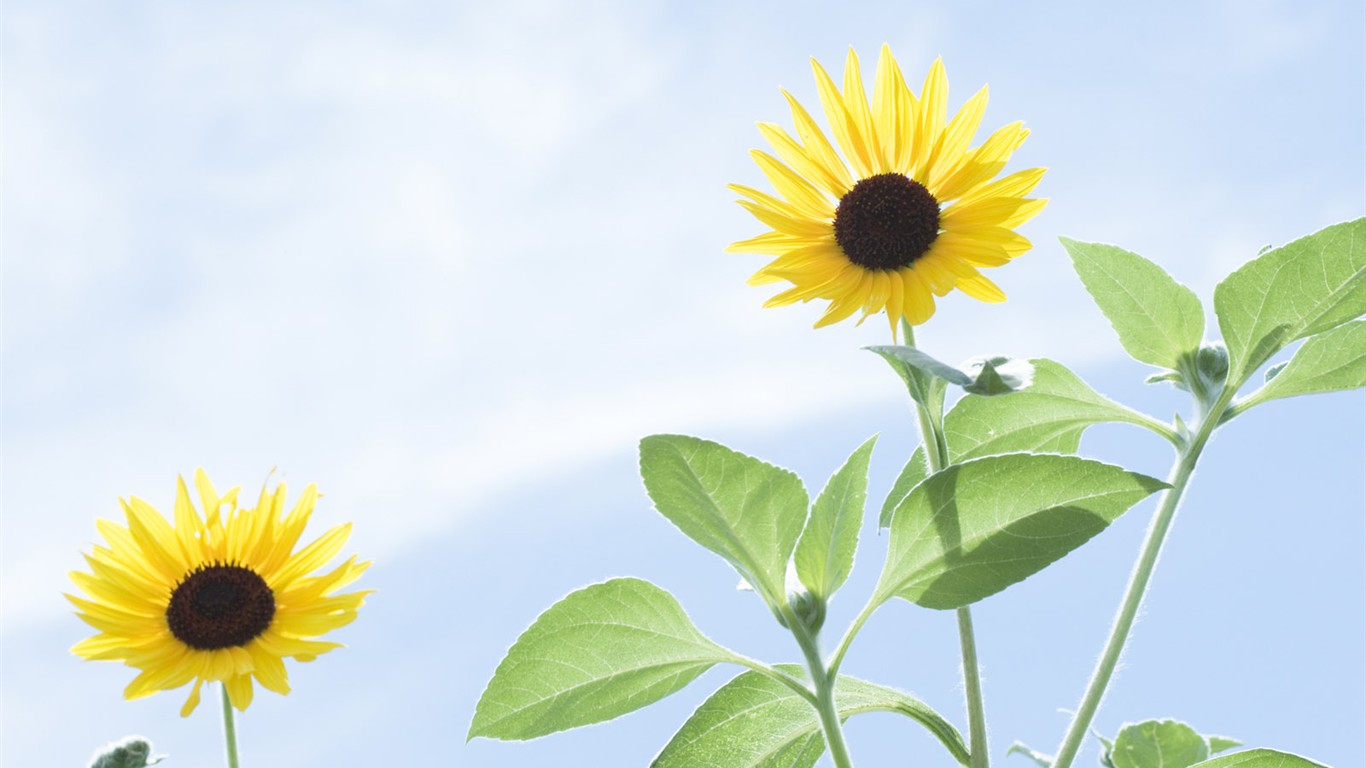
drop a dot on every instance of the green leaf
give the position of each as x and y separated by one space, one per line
998 376
1306 287
1049 417
599 653
915 470
923 362
1158 744
744 510
753 721
924 387
1157 319
975 528
1039 758
1106 751
1328 362
1260 758
1220 743
825 552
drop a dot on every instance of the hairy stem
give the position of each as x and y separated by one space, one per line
937 457
824 680
1138 583
229 727
979 750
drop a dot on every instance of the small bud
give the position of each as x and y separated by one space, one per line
1204 371
1212 363
810 609
129 752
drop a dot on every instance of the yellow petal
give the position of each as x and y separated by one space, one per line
1017 184
982 164
930 118
310 558
193 701
838 310
819 147
952 146
919 302
802 227
980 288
842 123
802 160
995 211
893 112
861 116
795 190
270 669
155 538
770 243
239 691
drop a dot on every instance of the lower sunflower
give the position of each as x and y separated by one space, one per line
220 597
909 213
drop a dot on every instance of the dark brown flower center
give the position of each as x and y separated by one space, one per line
220 606
886 222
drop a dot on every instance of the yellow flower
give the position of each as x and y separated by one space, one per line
909 213
223 597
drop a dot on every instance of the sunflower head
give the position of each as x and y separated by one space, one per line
906 210
223 596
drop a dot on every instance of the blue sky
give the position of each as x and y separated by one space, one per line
451 261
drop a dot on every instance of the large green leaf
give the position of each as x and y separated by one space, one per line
825 552
1158 744
754 721
1158 319
975 528
1306 287
599 653
1048 417
744 510
1259 758
1328 362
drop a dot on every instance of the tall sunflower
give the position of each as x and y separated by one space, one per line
909 213
222 597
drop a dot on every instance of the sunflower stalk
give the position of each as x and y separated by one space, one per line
229 728
930 415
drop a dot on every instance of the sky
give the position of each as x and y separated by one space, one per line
451 261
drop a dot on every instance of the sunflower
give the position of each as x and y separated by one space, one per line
909 213
222 597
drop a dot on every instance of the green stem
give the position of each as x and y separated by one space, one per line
825 692
229 727
978 749
937 457
1138 583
